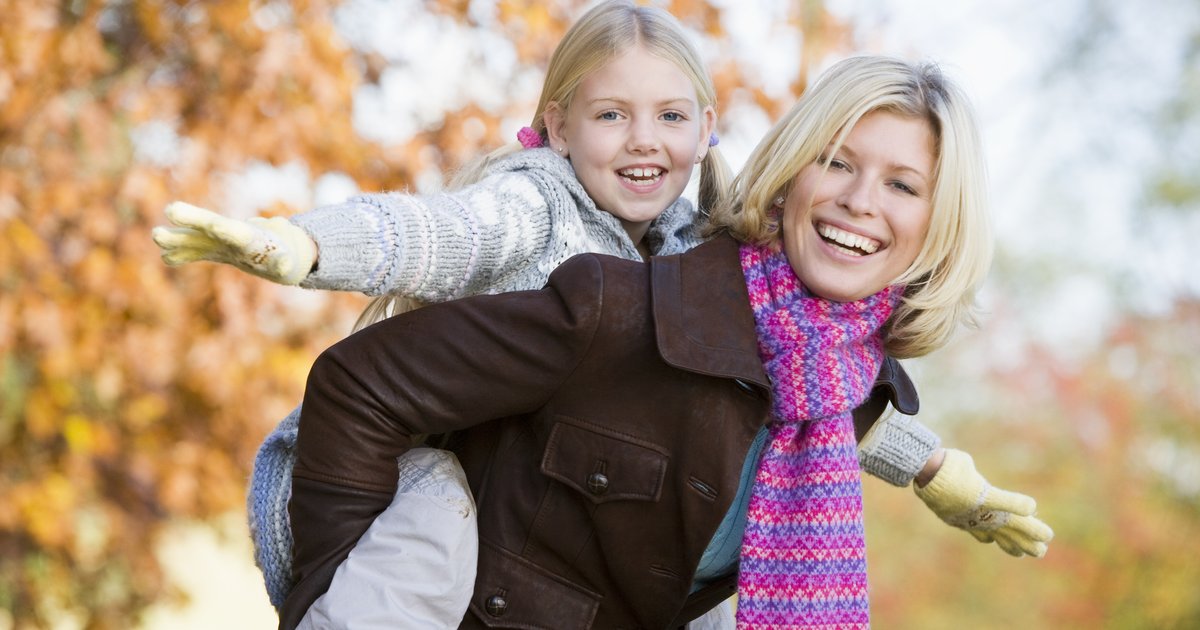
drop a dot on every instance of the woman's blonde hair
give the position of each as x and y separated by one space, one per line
603 33
955 257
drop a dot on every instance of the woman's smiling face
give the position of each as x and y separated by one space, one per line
853 229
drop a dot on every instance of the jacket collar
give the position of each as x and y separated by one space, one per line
702 312
704 324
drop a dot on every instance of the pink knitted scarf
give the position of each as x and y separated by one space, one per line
803 562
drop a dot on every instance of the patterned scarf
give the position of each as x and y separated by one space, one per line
803 562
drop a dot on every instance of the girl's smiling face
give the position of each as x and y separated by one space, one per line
853 229
634 131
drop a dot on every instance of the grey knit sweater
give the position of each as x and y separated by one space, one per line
505 233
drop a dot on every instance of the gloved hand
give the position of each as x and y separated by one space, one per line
268 248
961 497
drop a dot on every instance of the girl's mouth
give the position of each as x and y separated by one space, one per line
641 176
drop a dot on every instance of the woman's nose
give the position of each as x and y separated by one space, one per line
857 196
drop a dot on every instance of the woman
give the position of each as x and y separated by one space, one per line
643 439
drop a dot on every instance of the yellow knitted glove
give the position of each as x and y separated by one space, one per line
961 497
268 248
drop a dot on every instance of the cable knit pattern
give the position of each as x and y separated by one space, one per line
803 559
266 507
506 233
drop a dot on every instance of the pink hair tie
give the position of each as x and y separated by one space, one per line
529 138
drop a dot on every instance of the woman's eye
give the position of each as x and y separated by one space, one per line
672 117
831 163
609 116
904 188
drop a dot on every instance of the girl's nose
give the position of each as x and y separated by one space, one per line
643 136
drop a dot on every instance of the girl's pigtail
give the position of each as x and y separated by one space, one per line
715 180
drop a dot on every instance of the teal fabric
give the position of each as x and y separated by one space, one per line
721 556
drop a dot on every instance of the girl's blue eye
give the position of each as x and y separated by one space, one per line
673 117
608 116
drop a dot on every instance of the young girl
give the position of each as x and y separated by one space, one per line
641 438
626 112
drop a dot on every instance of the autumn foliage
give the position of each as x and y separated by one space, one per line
132 394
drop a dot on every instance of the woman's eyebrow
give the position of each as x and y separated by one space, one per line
892 166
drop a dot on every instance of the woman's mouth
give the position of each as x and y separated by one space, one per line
848 242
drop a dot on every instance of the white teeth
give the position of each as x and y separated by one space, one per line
848 239
641 172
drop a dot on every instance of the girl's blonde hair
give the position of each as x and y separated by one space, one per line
957 252
603 33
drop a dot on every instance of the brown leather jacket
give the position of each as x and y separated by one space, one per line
602 421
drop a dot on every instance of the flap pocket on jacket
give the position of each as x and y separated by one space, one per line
511 592
604 465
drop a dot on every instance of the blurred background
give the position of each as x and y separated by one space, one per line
133 396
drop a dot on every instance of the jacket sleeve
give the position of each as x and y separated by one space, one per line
442 368
415 565
430 247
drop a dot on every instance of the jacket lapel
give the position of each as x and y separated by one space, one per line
702 313
704 324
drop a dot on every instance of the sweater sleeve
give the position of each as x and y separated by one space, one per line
896 448
430 247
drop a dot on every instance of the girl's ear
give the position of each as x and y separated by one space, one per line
708 124
555 119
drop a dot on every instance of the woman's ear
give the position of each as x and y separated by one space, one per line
555 119
708 125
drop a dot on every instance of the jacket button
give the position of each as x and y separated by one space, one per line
496 605
597 483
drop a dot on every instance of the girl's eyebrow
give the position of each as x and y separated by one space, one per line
681 100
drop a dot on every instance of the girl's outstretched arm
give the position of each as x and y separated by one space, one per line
431 247
505 232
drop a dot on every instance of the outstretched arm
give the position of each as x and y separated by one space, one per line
428 247
902 451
